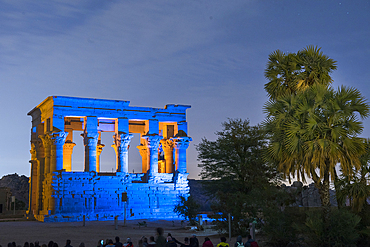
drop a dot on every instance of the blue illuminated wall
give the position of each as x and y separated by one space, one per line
57 193
101 197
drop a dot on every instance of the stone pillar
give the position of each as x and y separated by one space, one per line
67 157
33 181
152 144
38 201
144 157
57 140
121 142
56 164
181 144
91 137
40 174
46 142
90 143
167 146
99 149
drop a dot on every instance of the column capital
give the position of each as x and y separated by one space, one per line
46 141
46 144
69 145
152 140
33 152
181 142
142 149
99 148
122 140
90 138
167 143
37 143
39 148
58 138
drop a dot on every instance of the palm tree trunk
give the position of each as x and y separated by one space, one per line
324 191
336 186
325 197
323 188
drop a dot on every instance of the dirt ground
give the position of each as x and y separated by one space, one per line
93 231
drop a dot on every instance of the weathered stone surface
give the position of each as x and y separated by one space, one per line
103 197
18 185
308 196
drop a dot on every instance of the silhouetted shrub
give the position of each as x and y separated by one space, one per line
341 232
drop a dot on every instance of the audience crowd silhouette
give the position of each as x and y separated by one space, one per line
159 241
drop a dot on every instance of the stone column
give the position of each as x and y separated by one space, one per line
121 142
99 149
144 157
33 181
67 158
167 146
56 164
46 142
90 142
181 144
57 140
40 174
152 144
91 137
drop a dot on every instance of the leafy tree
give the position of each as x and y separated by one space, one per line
313 131
235 165
188 208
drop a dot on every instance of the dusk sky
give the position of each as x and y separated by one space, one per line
207 54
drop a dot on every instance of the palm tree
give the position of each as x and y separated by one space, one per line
356 188
294 72
313 131
315 68
281 71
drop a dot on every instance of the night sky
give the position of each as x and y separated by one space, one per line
207 54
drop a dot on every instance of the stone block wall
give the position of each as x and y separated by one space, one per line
102 197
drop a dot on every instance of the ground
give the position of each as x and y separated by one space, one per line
30 231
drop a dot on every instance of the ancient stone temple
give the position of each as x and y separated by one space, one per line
57 193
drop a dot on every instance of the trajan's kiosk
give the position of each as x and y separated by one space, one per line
57 193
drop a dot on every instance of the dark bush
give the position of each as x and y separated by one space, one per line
342 229
281 228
